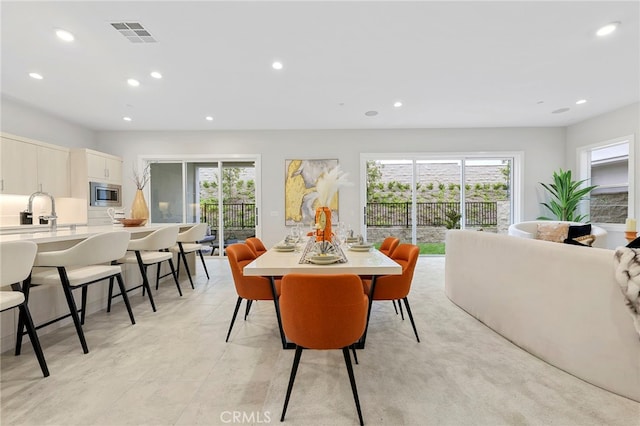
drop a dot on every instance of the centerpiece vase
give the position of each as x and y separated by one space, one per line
139 209
323 217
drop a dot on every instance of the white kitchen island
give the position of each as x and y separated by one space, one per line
48 302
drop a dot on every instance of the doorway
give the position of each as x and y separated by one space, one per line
222 193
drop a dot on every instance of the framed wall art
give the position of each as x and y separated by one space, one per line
300 195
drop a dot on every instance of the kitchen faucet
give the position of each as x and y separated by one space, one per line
52 218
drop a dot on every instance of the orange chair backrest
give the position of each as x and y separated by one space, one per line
389 245
323 311
393 287
256 245
252 288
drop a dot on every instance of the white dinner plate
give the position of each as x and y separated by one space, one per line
358 248
323 260
362 245
284 248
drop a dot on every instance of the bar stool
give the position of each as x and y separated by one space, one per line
86 263
187 243
16 260
152 249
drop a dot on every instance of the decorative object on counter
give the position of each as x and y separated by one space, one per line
139 208
116 215
327 188
131 222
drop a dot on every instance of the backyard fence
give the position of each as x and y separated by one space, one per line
477 213
234 216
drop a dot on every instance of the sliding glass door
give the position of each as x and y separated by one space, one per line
418 198
221 193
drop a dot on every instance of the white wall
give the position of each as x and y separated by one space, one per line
621 122
543 149
23 120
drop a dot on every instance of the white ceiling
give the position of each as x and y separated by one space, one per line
452 64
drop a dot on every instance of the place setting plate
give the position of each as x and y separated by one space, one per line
323 260
285 247
361 247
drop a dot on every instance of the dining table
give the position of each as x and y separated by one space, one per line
286 258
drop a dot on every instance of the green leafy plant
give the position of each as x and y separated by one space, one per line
565 194
452 219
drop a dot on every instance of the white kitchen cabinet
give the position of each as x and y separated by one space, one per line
93 166
53 171
29 166
19 167
104 167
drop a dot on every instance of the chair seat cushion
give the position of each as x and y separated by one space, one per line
10 299
148 257
187 247
77 275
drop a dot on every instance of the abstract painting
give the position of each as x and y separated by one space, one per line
300 194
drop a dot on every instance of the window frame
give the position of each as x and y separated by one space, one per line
583 155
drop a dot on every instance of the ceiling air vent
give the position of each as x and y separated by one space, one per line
134 32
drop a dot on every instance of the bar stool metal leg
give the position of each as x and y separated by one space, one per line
72 307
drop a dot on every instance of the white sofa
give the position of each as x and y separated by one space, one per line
529 229
559 302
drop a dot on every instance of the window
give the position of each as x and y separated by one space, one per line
608 166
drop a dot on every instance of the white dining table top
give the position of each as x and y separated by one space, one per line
276 263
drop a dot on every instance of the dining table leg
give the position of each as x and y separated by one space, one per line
276 303
361 342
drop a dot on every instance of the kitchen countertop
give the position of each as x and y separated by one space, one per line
44 235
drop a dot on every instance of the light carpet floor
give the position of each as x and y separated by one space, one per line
174 368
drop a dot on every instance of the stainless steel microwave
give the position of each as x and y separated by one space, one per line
105 194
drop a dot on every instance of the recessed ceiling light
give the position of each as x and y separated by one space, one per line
371 113
35 75
581 101
397 104
607 29
156 74
133 82
65 35
126 118
277 65
208 118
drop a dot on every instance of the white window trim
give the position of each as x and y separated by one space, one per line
517 173
582 155
145 159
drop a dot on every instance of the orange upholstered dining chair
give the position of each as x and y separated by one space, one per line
397 287
250 288
256 245
389 245
323 312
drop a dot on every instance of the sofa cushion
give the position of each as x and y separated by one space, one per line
576 231
556 232
635 243
584 240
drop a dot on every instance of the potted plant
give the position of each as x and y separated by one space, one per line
565 194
